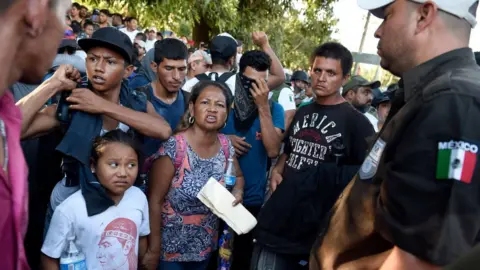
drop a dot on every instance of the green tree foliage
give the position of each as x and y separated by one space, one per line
295 27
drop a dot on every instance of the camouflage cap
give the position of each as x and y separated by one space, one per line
359 81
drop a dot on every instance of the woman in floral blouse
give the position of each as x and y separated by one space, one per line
187 232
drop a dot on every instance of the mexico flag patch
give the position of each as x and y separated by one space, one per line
456 160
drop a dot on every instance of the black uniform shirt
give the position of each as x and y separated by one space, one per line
418 189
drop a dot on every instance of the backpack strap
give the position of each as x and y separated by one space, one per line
225 77
146 90
181 149
203 77
225 146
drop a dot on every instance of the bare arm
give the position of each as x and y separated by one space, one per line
280 166
161 176
277 172
31 104
149 124
400 259
50 263
43 122
271 136
142 247
277 75
65 78
239 184
288 119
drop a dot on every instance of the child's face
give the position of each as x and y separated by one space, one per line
117 167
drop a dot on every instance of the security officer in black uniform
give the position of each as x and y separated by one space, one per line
415 203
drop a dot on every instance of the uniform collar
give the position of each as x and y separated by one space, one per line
416 77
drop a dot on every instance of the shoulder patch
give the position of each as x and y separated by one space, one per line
370 165
456 160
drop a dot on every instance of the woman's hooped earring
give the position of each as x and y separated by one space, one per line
225 125
191 120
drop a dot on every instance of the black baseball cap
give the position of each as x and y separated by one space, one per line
379 97
68 43
223 47
112 39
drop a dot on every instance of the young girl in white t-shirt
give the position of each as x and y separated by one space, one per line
116 238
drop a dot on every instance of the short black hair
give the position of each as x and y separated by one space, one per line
334 50
76 27
192 50
129 19
170 48
105 11
83 7
142 35
77 6
255 59
87 23
117 15
159 34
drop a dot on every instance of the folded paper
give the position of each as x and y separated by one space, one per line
216 197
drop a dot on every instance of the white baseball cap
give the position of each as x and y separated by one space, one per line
459 8
200 55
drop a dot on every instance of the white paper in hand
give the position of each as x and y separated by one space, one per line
216 197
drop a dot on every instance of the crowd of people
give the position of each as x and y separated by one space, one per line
121 130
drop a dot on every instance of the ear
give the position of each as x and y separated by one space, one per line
128 71
233 60
92 167
126 248
426 13
350 95
154 66
345 79
190 109
36 17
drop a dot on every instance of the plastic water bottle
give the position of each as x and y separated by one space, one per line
226 236
230 175
72 258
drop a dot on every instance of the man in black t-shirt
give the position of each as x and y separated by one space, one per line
324 147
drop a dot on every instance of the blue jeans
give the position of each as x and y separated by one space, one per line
183 265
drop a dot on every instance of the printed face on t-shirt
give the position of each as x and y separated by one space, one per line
116 249
117 168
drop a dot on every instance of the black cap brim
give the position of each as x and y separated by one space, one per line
88 43
68 43
377 102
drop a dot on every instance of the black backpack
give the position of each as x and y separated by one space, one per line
213 76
